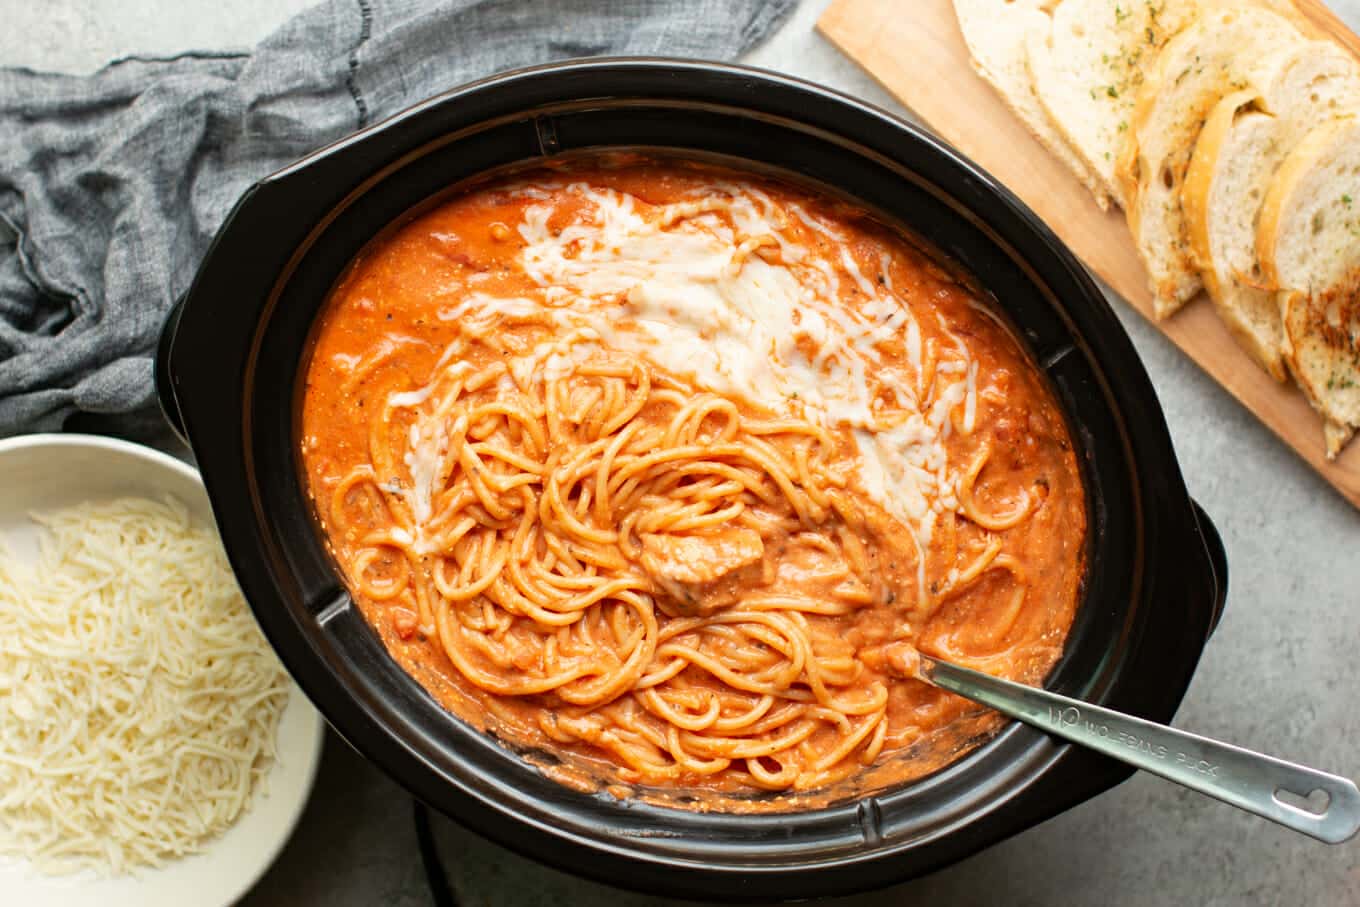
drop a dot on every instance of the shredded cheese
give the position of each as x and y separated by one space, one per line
138 698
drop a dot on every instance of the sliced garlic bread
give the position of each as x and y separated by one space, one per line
1308 242
1220 213
995 31
1226 49
1242 144
1087 65
1337 437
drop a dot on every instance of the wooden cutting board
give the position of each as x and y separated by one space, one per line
913 47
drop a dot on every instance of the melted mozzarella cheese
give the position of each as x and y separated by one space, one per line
686 286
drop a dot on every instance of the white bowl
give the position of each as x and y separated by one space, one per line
44 472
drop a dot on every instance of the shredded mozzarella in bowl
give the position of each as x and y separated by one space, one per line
139 701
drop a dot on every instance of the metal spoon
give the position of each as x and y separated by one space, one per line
1250 781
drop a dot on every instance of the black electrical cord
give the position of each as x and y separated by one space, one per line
441 892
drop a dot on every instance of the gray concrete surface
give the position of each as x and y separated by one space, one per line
1280 675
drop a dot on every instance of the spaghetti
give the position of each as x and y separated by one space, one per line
662 487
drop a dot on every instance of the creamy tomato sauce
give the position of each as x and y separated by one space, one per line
655 470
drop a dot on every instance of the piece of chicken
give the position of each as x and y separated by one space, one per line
704 571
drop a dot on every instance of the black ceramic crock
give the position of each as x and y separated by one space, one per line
228 373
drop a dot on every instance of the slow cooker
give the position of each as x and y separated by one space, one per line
228 375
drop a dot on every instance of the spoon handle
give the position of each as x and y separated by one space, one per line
1247 780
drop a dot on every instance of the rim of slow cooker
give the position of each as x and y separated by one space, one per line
280 567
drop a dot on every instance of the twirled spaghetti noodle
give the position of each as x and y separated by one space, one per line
660 486
552 560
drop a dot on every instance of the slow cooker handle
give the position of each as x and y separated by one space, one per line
1217 562
165 378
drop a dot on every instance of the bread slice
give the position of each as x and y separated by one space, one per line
1336 436
1309 245
1221 201
1226 49
995 32
1242 144
1087 65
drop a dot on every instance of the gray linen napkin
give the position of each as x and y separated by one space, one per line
112 185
